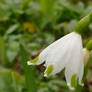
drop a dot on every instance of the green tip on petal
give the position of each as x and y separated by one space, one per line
48 70
81 83
73 81
89 45
31 62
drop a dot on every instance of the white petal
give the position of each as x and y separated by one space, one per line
75 64
60 54
44 54
80 75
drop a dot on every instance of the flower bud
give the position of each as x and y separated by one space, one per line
86 54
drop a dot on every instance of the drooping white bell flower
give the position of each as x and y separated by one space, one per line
67 52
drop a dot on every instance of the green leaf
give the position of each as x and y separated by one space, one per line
12 50
46 6
12 29
3 57
10 81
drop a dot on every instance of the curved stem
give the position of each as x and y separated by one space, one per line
83 23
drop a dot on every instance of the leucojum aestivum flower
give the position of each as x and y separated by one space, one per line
66 53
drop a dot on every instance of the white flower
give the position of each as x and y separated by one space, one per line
67 53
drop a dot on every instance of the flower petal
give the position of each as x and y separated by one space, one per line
45 53
48 70
75 64
59 55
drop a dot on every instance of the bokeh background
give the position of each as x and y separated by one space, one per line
26 28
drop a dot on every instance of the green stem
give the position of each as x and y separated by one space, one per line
14 82
29 72
83 23
3 50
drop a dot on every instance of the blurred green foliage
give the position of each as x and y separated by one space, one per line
28 26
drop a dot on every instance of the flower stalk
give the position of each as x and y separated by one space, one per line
83 24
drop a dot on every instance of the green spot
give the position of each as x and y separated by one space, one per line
89 45
73 81
82 83
34 60
49 70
